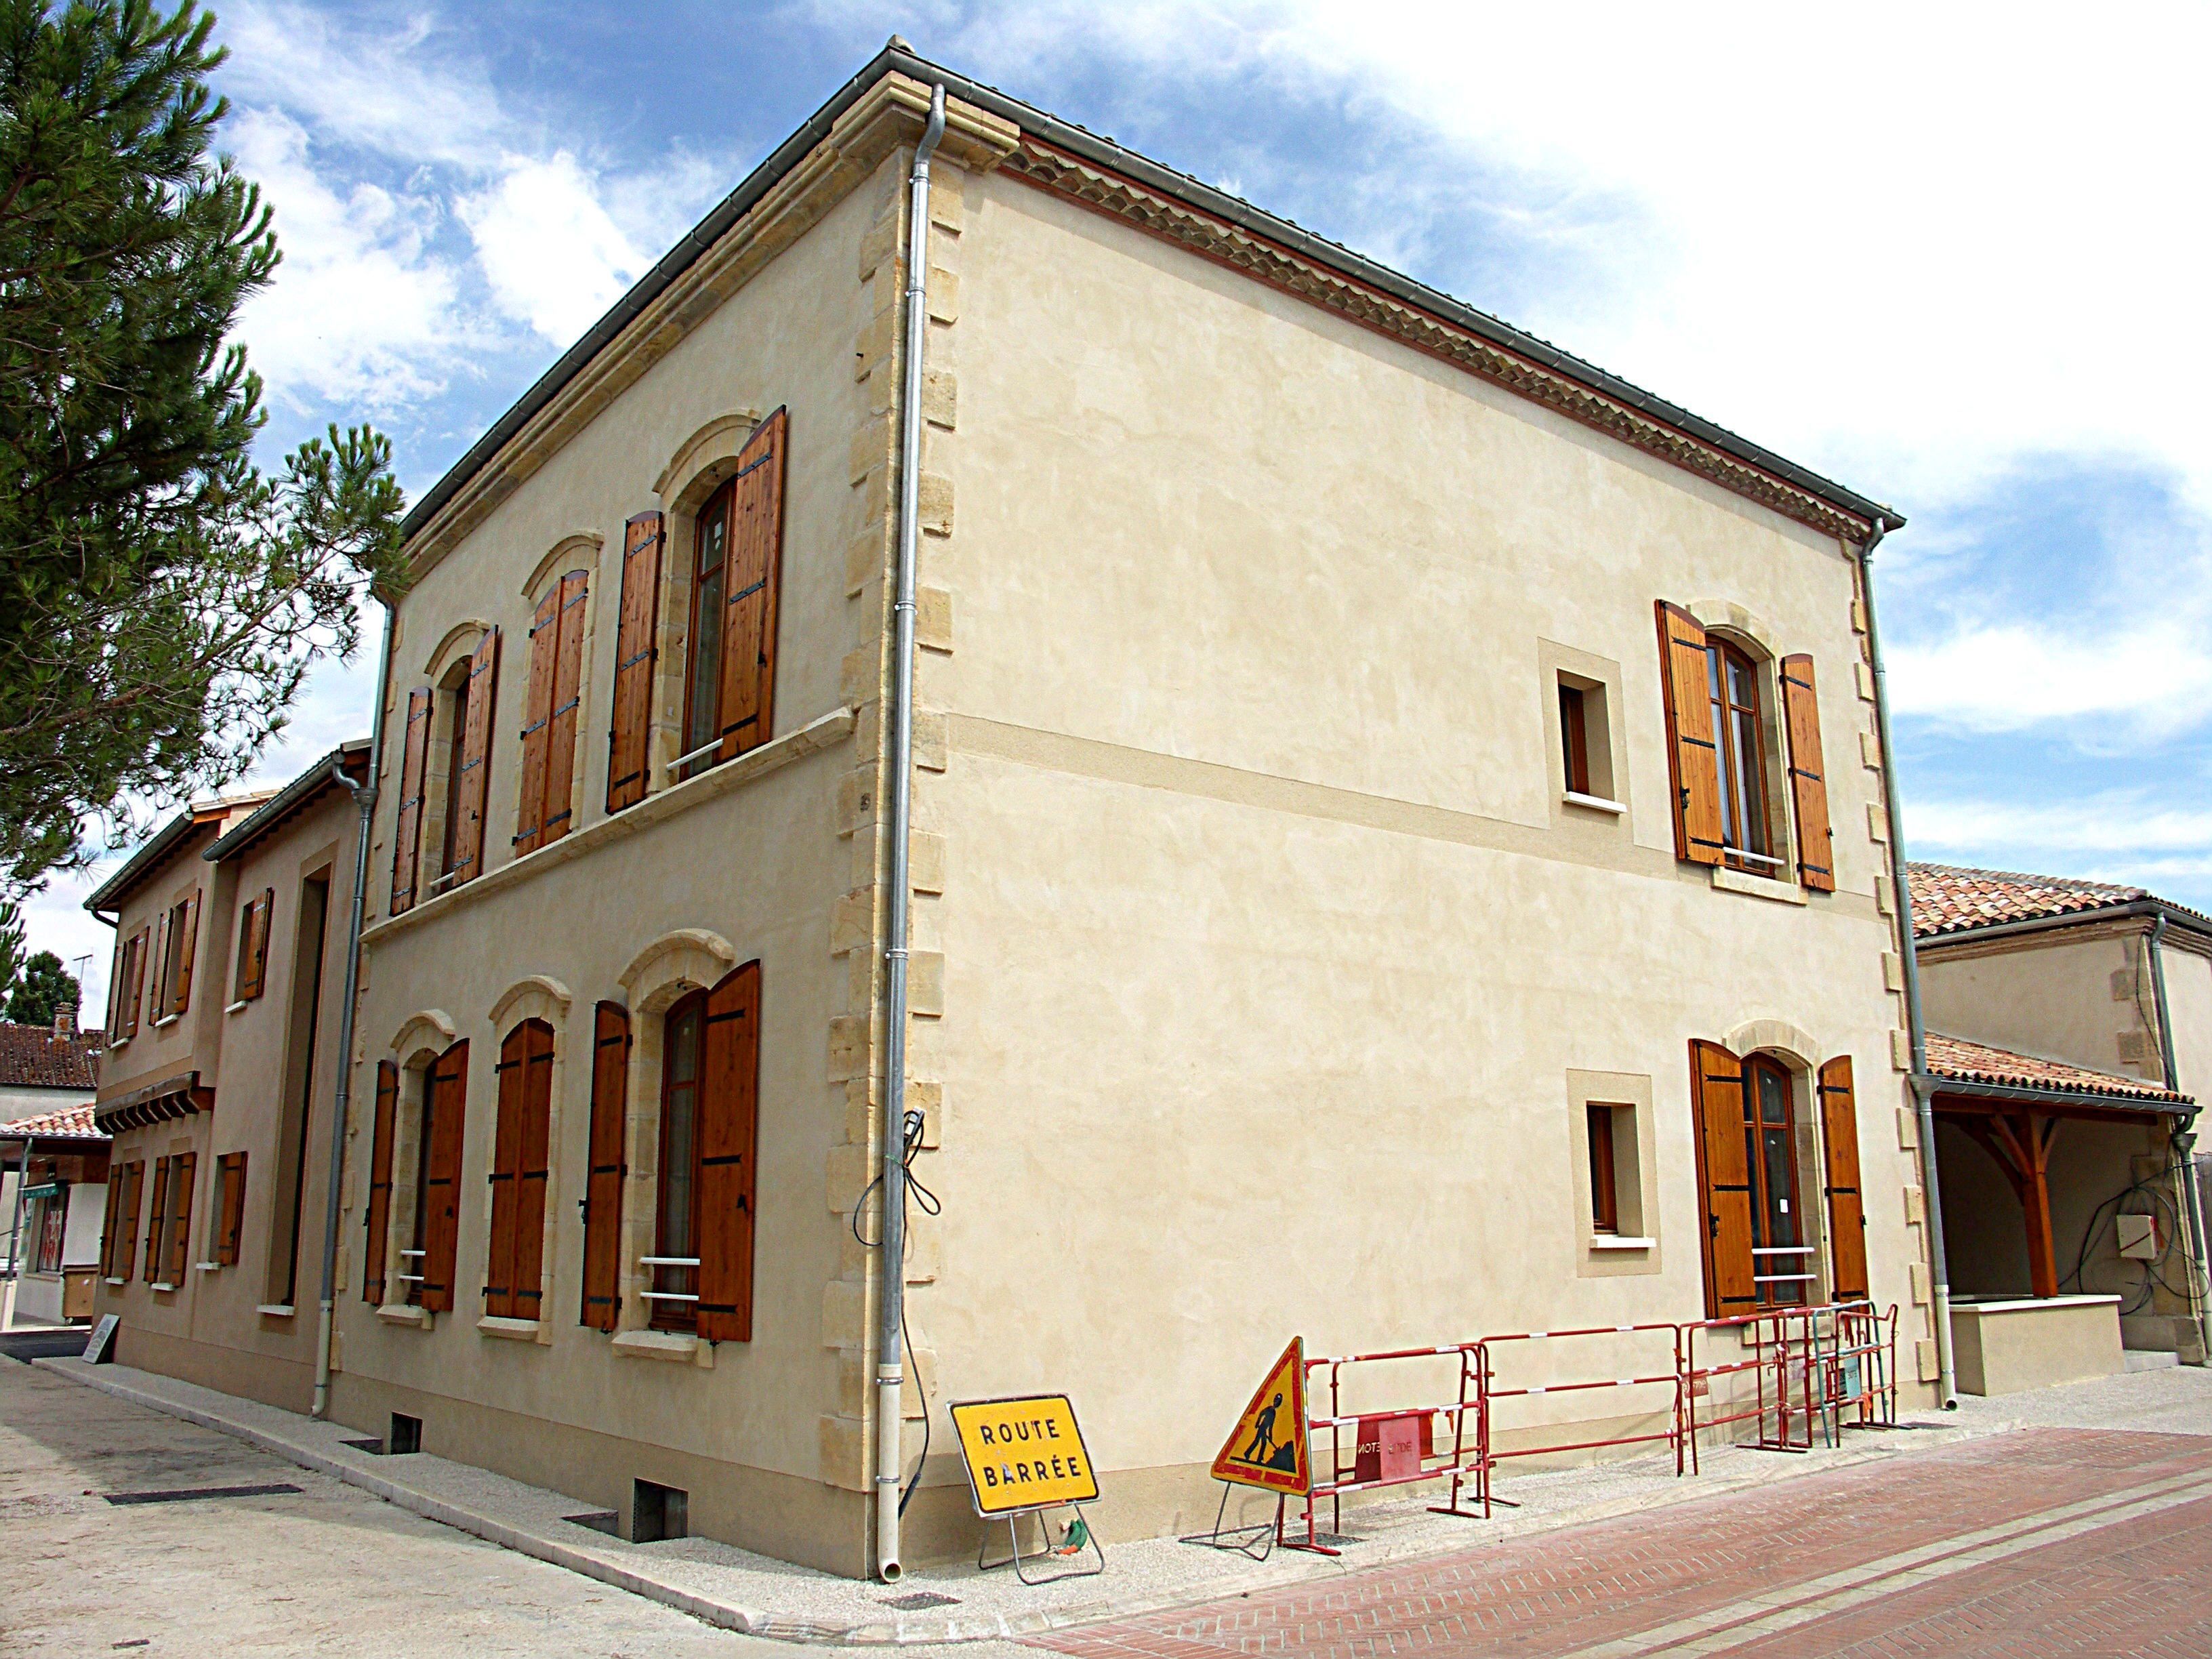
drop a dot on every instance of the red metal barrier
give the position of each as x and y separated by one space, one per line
1671 1380
1403 1450
1807 1364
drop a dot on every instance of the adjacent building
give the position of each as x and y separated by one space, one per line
2071 1035
53 1167
220 1082
1400 853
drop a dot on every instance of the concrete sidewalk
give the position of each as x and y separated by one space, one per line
757 1595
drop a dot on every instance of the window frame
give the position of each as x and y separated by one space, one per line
1574 737
716 513
1755 1129
1744 801
456 756
663 1314
1598 1128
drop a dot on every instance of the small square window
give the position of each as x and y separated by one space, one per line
1605 1193
1615 1195
1584 762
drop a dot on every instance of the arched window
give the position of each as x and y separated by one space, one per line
675 1293
729 671
702 1265
702 680
514 1267
1740 740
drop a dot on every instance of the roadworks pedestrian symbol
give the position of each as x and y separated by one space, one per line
1268 1446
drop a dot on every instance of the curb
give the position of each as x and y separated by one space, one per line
902 1633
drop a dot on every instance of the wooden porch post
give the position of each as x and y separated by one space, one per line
2027 1141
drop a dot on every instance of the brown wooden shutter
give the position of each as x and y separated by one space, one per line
414 767
134 958
1809 785
126 1220
233 1208
180 1216
475 779
506 1159
1723 1180
116 975
157 996
447 1099
257 945
750 581
1692 761
728 1133
568 692
379 1218
1840 1133
157 1216
602 1188
531 1168
185 954
537 724
635 653
107 1239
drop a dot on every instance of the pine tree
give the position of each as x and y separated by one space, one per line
40 989
160 600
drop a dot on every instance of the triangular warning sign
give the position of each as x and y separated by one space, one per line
1268 1446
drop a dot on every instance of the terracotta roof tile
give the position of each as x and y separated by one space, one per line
33 1057
1978 1062
70 1123
1950 898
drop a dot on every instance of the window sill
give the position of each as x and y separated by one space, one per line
166 1020
241 1003
665 1345
515 1330
1766 887
119 1043
114 1281
406 1314
810 738
1615 1242
158 1286
208 1267
275 1309
1594 803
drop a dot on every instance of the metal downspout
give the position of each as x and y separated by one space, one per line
891 1252
15 1236
1939 1270
2200 1287
364 796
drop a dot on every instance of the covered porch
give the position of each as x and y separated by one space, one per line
2064 1213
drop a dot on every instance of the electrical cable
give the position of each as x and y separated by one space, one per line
2155 1278
911 1126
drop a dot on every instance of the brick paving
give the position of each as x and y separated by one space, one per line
2110 1583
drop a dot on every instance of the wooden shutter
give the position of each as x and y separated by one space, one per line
1839 1133
134 959
180 1215
476 762
116 975
107 1240
568 692
602 1188
525 1290
185 954
1723 1180
537 723
1809 785
157 997
447 1101
727 1135
379 1219
414 767
749 580
1692 761
126 1220
636 652
233 1208
157 1216
506 1160
256 946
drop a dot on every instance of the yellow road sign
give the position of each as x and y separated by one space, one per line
1024 1454
1268 1448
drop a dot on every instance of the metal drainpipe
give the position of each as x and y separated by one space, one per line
2184 1144
890 1253
1939 1271
15 1234
364 796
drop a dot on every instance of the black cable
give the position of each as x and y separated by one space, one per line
2141 1296
910 1127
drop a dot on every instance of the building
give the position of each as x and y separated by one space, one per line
2070 1032
51 1153
1398 822
230 965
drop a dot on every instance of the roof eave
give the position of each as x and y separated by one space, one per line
897 59
295 796
2179 916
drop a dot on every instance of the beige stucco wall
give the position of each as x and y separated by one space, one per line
2189 1005
756 867
2079 994
1271 957
2009 1347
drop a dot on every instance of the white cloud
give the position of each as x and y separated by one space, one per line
555 258
359 310
2155 676
2109 822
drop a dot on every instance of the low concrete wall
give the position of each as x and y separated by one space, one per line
2005 1347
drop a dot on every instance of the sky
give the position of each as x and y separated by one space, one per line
1947 256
